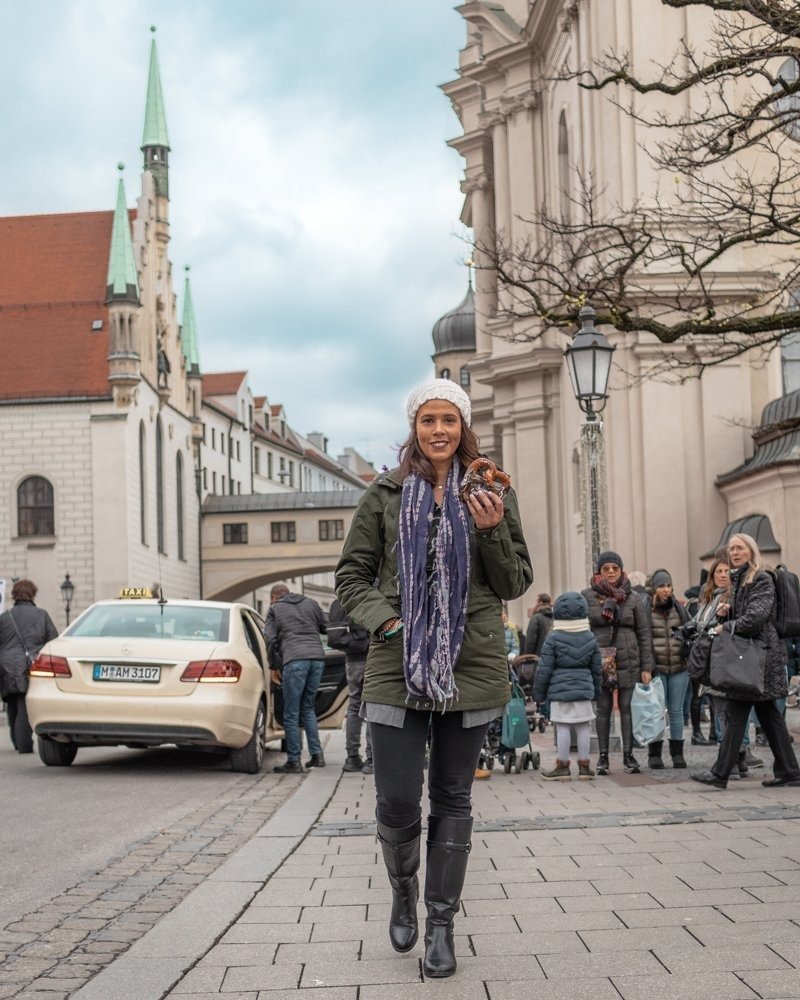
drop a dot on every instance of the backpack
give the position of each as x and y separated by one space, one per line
787 602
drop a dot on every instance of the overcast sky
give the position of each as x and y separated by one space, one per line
312 191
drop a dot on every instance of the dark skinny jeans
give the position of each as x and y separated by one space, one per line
399 761
603 723
733 716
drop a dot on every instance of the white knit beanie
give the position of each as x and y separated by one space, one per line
439 388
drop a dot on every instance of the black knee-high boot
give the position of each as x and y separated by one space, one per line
401 856
448 855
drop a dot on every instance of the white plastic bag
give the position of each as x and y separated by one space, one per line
647 712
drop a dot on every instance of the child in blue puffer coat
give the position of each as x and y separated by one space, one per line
569 675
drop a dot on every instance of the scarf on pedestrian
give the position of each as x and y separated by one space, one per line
570 624
614 596
435 612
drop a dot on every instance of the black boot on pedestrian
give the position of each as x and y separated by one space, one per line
676 752
353 762
602 763
316 760
709 778
630 763
401 856
698 740
654 761
448 854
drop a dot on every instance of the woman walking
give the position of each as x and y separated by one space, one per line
24 629
714 591
427 574
667 619
750 613
619 619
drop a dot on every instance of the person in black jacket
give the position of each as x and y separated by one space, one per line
292 630
541 621
751 613
353 640
569 675
24 629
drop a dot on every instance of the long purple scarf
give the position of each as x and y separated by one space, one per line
435 612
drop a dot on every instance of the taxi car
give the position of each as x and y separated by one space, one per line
146 673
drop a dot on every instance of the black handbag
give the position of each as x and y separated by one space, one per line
699 661
737 666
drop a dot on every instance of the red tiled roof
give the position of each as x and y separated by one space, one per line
52 285
222 383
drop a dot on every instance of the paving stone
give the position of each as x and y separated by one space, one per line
542 943
334 993
573 989
712 985
601 965
252 933
637 900
763 911
721 959
774 984
441 989
240 954
701 897
675 915
581 920
752 932
260 977
318 914
270 914
317 952
525 968
400 970
541 906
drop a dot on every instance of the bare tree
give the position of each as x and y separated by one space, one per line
711 261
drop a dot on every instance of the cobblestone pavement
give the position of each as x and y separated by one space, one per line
617 888
53 951
622 887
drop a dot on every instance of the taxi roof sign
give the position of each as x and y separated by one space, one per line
135 594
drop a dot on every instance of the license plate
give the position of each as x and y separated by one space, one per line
132 673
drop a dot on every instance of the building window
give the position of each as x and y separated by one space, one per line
142 483
331 531
257 460
35 514
234 534
160 486
790 352
213 438
269 465
463 378
222 478
564 184
291 473
238 453
179 501
284 531
213 482
222 443
444 373
205 478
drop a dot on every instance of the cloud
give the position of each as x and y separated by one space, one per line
311 187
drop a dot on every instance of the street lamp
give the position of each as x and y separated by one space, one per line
589 366
67 593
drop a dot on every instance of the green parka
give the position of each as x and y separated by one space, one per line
368 588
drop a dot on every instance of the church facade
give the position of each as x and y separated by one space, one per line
669 446
111 436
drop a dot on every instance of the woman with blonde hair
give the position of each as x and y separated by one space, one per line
750 612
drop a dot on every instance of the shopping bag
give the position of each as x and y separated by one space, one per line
647 712
514 732
737 666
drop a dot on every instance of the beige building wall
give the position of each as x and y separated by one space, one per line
666 444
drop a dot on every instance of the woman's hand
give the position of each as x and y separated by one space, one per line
486 508
646 677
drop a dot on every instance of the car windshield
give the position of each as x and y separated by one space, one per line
154 621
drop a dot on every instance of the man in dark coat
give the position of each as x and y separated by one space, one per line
24 629
541 621
293 628
353 640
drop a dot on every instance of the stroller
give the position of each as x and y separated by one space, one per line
507 735
525 668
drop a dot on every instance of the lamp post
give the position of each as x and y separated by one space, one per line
589 365
67 593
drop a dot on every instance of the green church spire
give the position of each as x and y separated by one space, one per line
122 280
155 141
189 331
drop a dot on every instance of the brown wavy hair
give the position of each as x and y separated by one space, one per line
413 460
709 587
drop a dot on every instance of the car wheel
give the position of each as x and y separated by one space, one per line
56 754
250 757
